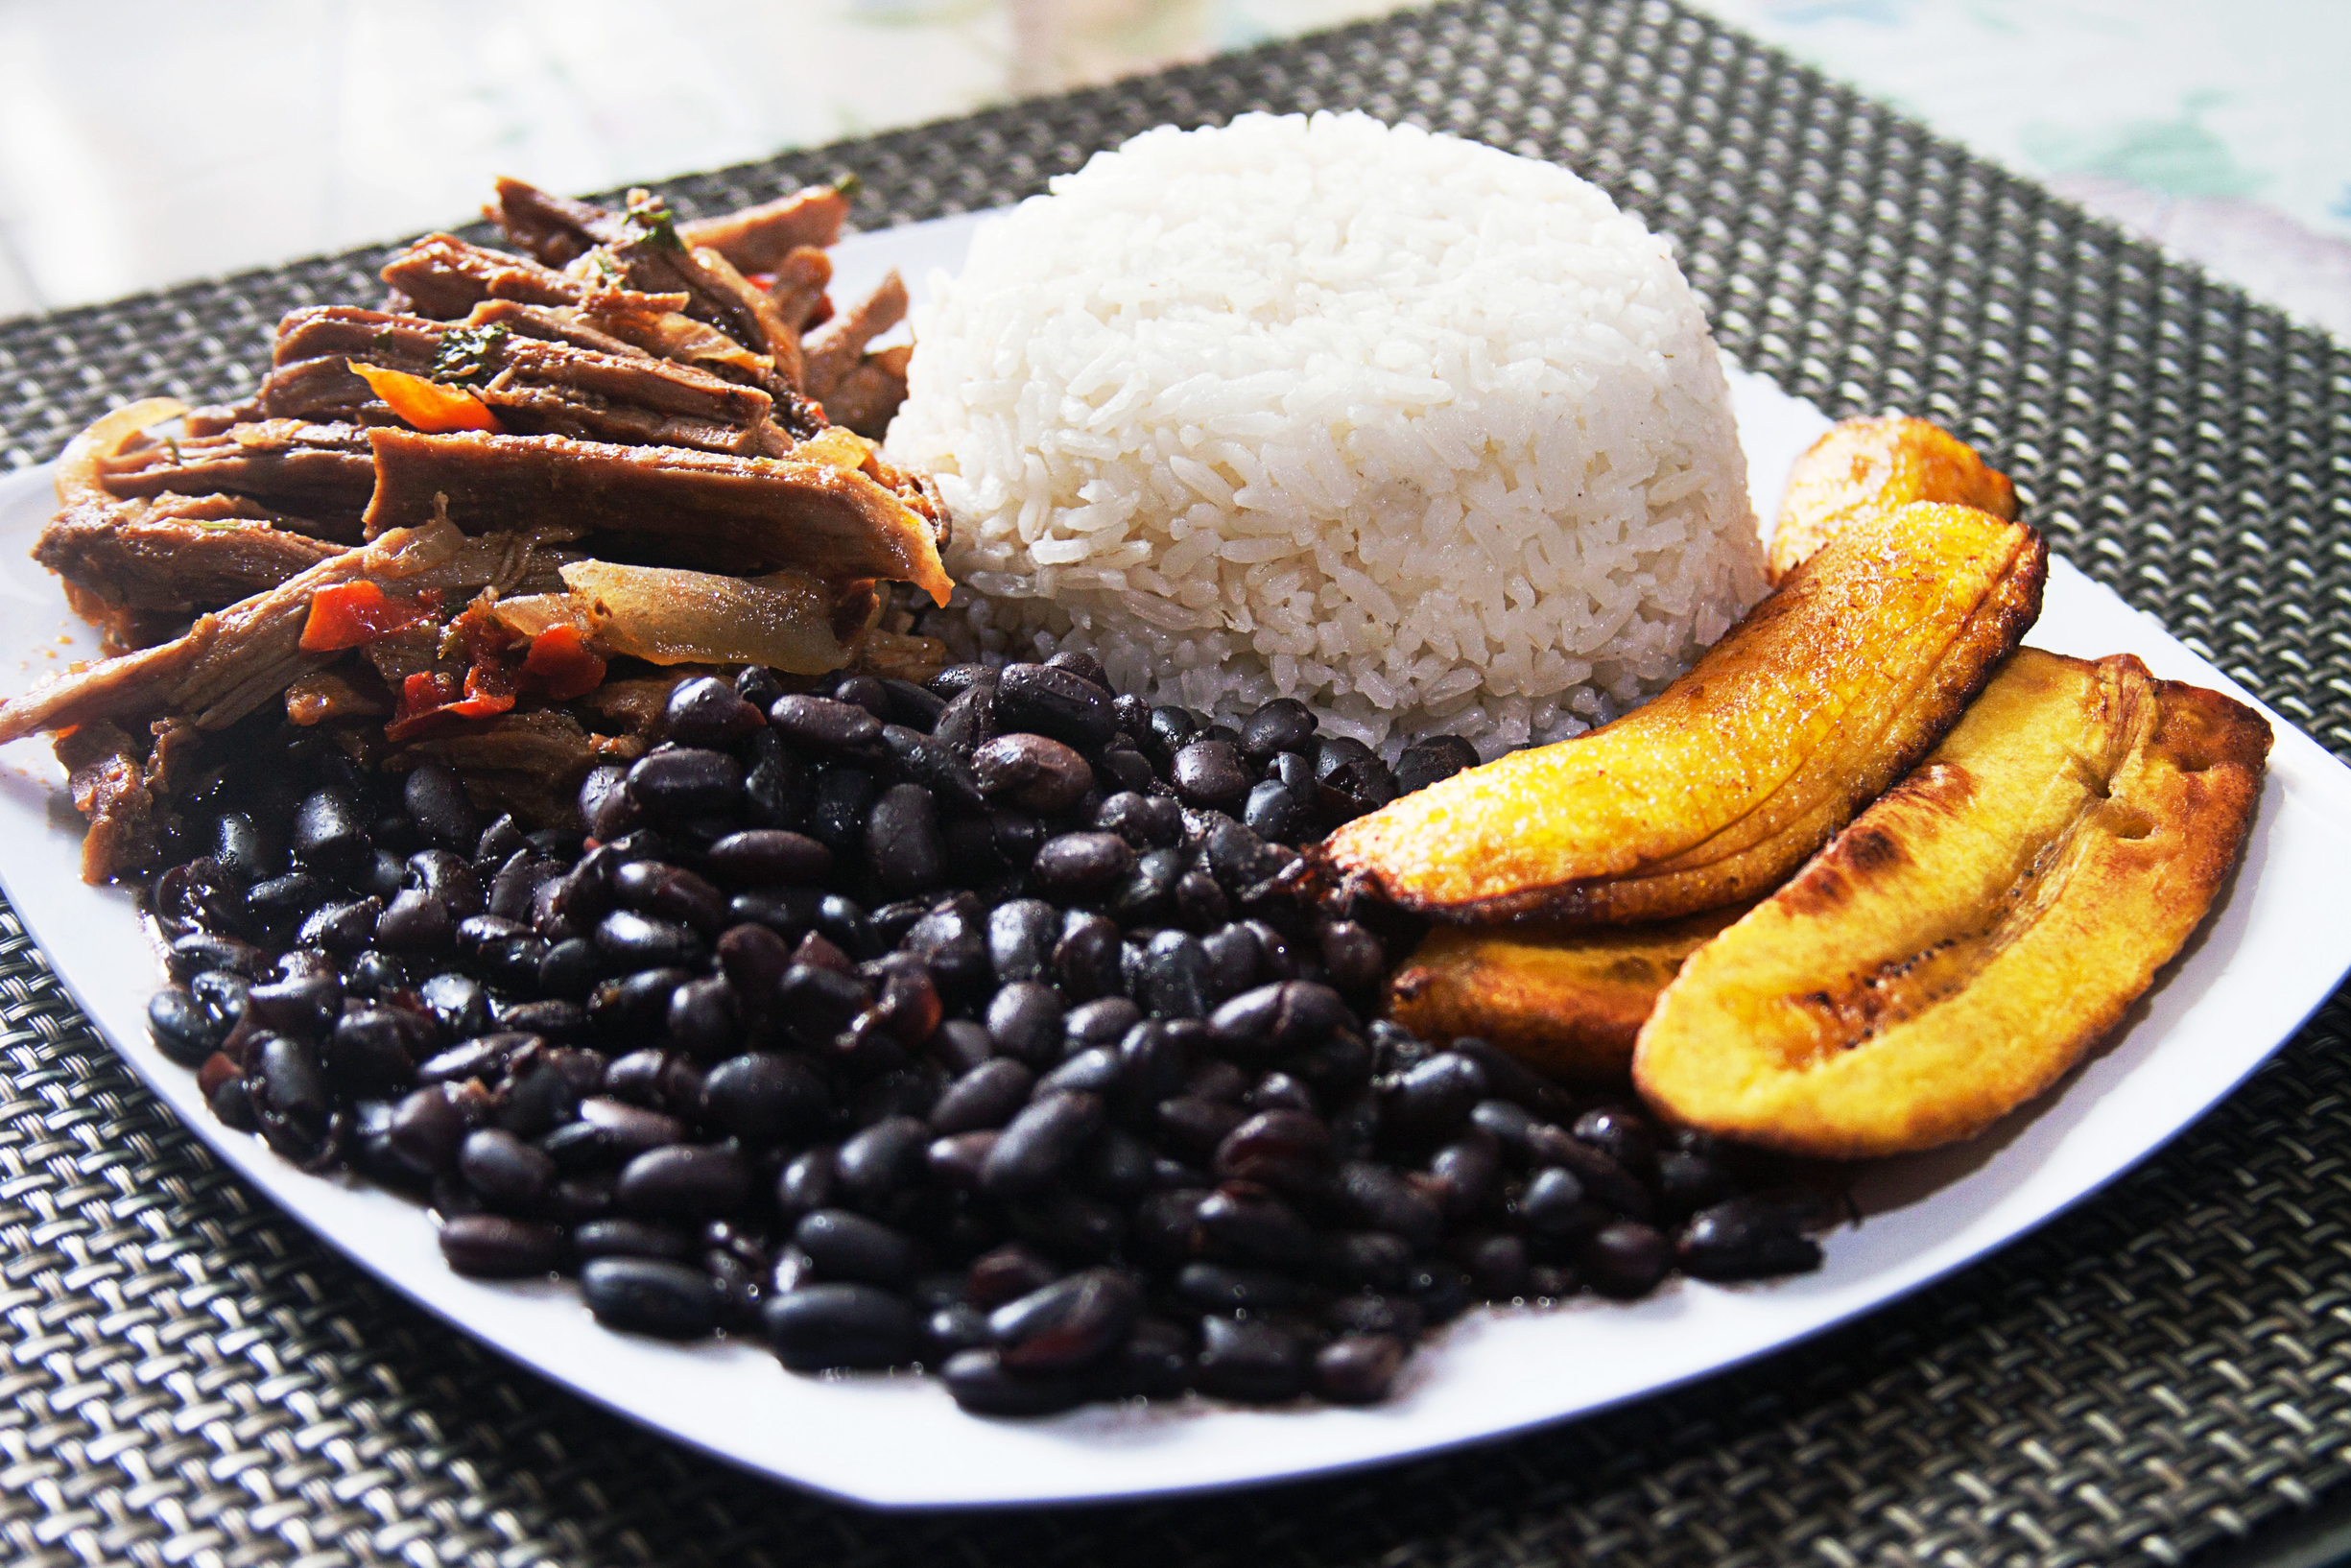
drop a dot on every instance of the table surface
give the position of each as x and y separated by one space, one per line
198 140
190 1378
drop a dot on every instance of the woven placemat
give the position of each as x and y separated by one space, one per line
188 1377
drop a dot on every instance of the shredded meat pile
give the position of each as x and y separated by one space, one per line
440 522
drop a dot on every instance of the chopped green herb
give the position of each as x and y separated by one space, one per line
465 354
651 221
848 186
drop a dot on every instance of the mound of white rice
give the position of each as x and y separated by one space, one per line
1427 434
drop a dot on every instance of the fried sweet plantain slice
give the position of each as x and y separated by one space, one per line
1961 945
1828 691
1865 467
1565 1000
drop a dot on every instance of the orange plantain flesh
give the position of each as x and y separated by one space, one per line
1864 467
1961 945
1827 692
1565 1000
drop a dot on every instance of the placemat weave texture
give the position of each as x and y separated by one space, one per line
186 1376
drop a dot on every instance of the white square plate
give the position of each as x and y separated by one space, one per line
2276 943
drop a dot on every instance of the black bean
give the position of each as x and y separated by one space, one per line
426 1129
1071 868
1496 1263
330 835
1357 1368
499 841
765 1097
1025 1020
1146 896
376 1048
1040 1141
903 845
1434 1097
509 1173
1085 960
642 942
819 1327
935 765
844 797
650 1295
685 1180
1034 772
1057 703
987 1097
808 1181
758 686
1553 1204
1068 1324
625 1012
768 856
291 1089
1174 976
1122 768
1282 725
1276 811
1021 933
228 1099
241 847
968 721
841 1245
1748 1238
1104 1021
956 1161
1333 753
449 877
1688 1181
1426 762
1356 786
883 1162
961 1045
1605 1180
435 796
671 892
1365 1257
493 1247
983 1385
1288 1015
1209 773
1251 1361
1147 822
1172 726
416 922
1243 1222
1090 1072
1440 1290
1622 1135
608 809
1467 1172
708 711
180 1026
1624 1259
343 927
1352 957
823 724
284 900
1377 1198
1006 1274
702 1019
816 1004
1286 1150
632 1238
678 782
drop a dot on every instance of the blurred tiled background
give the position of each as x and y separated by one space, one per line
144 142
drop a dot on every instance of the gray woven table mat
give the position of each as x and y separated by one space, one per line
188 1377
